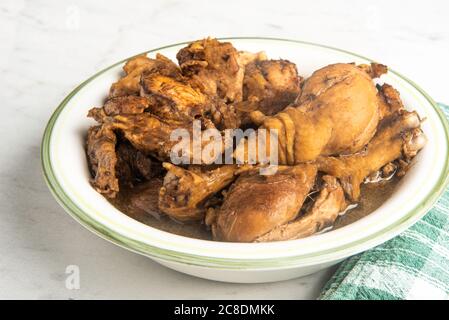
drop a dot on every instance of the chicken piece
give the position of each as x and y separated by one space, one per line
163 90
102 159
184 192
146 133
167 98
216 67
231 116
224 116
255 204
114 162
323 213
125 105
181 101
347 98
389 100
398 136
119 105
130 83
271 85
337 113
153 136
129 162
173 100
134 166
374 70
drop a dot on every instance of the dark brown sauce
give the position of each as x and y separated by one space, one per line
141 204
372 196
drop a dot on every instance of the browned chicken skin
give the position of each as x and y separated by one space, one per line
398 136
130 83
102 158
337 113
172 99
115 163
323 213
214 66
270 85
273 201
389 100
152 135
146 133
119 105
184 192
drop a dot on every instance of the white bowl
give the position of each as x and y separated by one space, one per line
65 169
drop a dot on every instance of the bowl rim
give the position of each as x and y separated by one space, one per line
333 254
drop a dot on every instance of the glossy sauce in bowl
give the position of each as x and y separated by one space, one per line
141 204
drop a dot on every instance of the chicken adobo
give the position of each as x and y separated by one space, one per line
339 141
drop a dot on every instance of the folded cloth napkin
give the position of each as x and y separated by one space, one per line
413 265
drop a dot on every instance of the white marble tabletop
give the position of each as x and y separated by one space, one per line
48 47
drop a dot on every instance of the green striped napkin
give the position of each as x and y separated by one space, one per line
413 265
